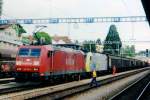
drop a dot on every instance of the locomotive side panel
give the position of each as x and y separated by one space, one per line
45 61
79 63
59 62
88 61
100 61
67 62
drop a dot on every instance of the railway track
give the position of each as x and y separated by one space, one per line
6 80
79 89
62 90
145 93
12 86
17 87
137 91
34 91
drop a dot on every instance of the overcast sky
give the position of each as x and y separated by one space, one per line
83 8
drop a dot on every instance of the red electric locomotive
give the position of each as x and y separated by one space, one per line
48 62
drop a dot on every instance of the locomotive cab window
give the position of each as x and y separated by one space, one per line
35 52
23 52
29 52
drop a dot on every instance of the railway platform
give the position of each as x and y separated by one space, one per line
110 85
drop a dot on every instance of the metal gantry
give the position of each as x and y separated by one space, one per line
75 20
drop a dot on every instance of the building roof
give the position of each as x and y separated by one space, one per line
64 39
4 26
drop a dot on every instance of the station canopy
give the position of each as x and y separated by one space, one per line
146 6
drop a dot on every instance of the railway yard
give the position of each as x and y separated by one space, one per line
74 50
54 73
111 87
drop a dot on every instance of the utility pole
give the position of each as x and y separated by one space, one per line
118 48
1 8
69 29
90 47
147 53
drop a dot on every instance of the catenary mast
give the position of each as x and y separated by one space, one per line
1 4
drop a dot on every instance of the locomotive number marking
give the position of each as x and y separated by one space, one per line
70 61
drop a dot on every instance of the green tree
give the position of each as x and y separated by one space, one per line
43 37
25 40
128 51
112 43
76 42
89 46
19 29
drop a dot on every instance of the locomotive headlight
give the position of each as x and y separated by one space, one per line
18 69
35 69
36 63
18 62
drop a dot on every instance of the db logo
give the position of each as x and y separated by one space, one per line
70 61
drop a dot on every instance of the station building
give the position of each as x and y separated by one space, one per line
9 41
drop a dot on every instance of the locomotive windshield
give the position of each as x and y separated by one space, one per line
35 52
23 52
29 52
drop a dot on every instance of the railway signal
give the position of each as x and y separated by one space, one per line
147 53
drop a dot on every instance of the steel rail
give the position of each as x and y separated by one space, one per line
131 87
10 87
6 80
126 88
143 91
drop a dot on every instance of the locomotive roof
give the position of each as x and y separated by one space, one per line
66 49
52 47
